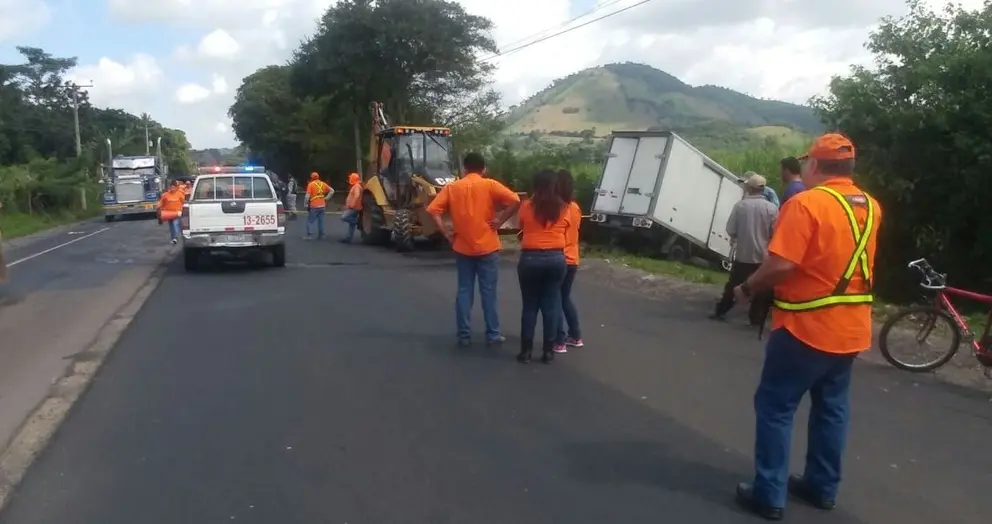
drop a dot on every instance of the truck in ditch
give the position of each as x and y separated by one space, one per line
133 186
664 193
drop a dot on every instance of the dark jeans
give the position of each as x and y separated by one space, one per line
739 272
791 369
541 274
570 315
485 269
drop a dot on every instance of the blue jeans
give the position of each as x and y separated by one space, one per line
350 217
485 268
175 229
541 274
316 214
570 315
791 369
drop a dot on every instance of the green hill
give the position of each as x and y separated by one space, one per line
632 96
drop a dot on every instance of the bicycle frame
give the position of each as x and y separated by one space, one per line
944 302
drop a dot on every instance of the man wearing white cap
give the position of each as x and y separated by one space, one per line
750 228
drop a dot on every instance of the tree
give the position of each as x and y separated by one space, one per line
419 57
920 119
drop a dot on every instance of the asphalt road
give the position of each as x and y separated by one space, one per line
70 282
331 391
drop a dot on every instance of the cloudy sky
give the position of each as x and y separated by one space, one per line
181 60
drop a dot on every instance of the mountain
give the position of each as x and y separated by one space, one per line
629 96
215 157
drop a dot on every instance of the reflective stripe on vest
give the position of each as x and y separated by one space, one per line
859 257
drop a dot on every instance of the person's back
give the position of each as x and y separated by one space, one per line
539 236
471 204
750 224
829 242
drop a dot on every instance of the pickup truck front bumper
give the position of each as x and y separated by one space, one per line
233 240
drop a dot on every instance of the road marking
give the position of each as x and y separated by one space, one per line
60 246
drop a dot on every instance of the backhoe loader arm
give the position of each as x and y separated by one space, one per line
379 123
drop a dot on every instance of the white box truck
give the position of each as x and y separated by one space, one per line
659 188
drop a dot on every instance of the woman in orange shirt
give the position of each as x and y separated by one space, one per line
570 315
543 223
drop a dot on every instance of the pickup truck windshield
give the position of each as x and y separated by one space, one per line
232 188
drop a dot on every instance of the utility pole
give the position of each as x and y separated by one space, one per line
75 115
148 142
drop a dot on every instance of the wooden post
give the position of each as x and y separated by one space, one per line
82 197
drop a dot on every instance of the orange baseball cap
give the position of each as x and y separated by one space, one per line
353 178
832 146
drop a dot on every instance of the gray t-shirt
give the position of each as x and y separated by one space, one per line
750 225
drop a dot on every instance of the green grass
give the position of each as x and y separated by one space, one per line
13 225
687 272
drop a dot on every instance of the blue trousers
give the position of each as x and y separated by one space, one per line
175 231
485 269
316 214
541 274
350 217
570 315
791 369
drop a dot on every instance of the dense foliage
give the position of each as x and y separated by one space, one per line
419 57
40 171
921 118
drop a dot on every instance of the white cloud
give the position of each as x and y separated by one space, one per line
785 49
22 17
191 94
132 86
218 44
219 85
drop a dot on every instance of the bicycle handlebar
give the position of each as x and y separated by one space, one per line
931 278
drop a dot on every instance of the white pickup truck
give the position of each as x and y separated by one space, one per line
235 212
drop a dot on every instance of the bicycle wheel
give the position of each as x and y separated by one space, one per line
929 322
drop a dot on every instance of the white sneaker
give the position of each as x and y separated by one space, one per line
174 241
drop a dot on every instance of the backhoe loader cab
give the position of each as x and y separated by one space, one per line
414 163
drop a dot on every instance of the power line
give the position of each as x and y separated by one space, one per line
559 33
564 24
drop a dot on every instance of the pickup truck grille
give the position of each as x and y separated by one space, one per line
130 191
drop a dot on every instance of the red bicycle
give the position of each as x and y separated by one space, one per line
940 320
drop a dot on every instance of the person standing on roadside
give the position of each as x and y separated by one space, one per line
471 203
316 198
791 178
750 228
353 206
291 196
820 266
170 209
542 267
572 337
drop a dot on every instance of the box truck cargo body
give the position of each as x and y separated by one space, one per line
660 187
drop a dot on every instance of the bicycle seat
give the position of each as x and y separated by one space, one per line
931 278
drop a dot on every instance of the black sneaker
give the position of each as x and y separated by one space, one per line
719 318
745 499
801 490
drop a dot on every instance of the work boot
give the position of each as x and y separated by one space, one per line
548 352
799 488
526 348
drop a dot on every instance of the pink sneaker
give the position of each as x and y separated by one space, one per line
559 349
574 342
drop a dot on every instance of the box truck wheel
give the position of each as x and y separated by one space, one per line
679 253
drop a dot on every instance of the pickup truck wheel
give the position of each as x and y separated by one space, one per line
279 256
403 227
191 259
371 222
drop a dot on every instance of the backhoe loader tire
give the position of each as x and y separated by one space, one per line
403 230
371 222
